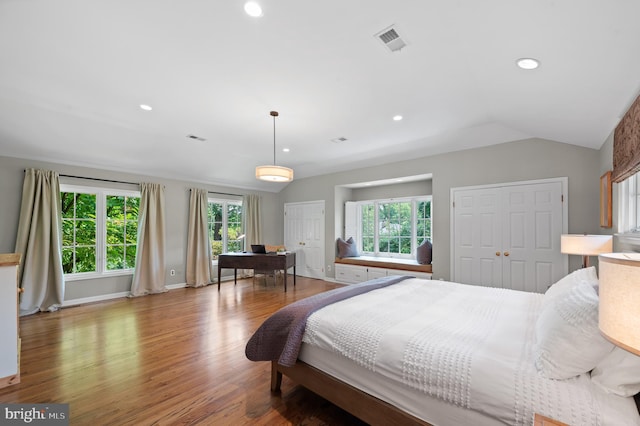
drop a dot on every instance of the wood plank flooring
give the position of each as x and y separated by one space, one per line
175 358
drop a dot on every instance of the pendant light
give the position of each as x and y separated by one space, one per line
274 173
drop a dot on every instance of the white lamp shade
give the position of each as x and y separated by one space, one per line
274 173
619 292
586 245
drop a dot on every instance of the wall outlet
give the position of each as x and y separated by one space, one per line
172 272
328 268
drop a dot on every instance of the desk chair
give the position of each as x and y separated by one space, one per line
267 274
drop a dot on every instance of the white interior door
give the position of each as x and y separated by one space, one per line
531 236
477 237
509 236
304 234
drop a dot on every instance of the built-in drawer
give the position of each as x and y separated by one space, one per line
350 274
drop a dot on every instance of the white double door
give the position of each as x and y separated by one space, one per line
509 236
304 234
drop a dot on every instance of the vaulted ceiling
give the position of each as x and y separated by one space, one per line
73 75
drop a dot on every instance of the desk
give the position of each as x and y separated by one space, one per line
258 261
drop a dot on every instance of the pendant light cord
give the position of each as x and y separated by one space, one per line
274 114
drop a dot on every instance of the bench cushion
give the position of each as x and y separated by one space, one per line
388 263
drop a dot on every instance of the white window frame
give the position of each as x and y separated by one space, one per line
101 230
225 221
629 206
355 224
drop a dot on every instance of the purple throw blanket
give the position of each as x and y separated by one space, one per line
280 336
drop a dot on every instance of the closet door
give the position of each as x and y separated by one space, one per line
532 217
477 237
508 236
304 234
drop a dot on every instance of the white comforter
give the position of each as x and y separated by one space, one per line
470 346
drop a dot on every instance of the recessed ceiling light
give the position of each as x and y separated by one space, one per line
528 63
252 8
145 107
285 150
397 117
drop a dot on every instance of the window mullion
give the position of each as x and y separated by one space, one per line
225 227
101 231
414 227
376 229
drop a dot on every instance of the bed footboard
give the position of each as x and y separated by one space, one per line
362 405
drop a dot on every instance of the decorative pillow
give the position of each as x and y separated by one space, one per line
347 248
566 283
618 373
424 252
568 342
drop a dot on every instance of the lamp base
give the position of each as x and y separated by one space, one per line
585 261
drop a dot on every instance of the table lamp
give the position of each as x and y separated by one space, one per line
619 293
586 245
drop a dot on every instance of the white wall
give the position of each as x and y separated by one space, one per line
510 162
606 164
408 189
515 161
177 208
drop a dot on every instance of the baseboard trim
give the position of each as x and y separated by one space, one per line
103 297
93 299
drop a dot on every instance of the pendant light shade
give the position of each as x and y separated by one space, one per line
274 173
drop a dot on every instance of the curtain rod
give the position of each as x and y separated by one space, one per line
101 180
98 179
135 183
224 193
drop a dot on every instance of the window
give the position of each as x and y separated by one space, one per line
79 230
629 204
391 228
122 231
225 226
99 231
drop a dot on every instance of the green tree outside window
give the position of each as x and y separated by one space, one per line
79 247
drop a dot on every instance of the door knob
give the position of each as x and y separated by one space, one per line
497 253
506 253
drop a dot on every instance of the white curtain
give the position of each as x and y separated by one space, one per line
150 273
199 267
39 242
251 218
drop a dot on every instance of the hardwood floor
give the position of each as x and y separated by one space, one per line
175 358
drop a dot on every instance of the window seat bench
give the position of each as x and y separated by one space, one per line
352 270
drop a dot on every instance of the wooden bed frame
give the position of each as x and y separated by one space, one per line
362 405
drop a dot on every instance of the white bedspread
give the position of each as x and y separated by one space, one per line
466 345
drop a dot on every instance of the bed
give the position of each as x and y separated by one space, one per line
402 350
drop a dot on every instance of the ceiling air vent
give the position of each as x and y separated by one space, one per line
338 140
198 138
390 38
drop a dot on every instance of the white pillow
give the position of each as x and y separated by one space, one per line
568 282
618 373
568 342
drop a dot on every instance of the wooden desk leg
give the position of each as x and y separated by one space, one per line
235 276
219 276
294 275
285 279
